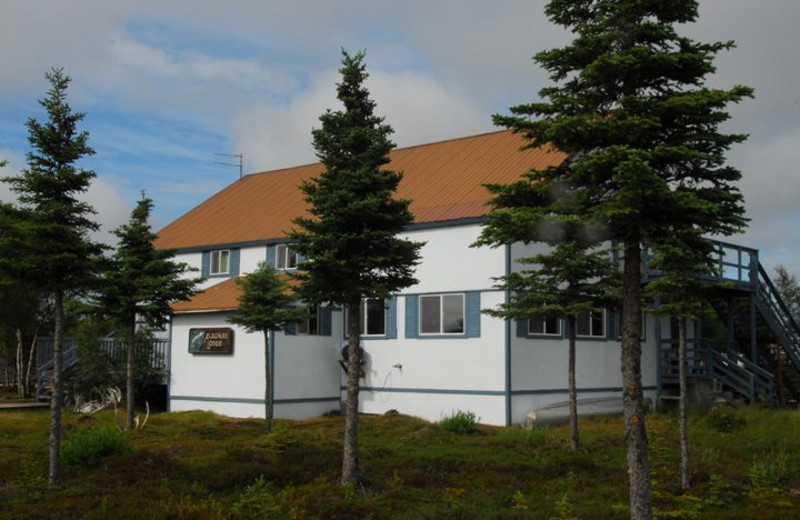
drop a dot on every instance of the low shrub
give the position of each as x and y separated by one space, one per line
460 422
725 419
89 447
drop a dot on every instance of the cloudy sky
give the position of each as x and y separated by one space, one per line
166 85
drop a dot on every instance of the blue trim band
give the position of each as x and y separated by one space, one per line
242 400
493 393
508 329
550 391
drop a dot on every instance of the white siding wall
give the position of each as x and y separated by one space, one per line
429 377
539 365
234 384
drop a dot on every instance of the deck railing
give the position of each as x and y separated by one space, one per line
155 349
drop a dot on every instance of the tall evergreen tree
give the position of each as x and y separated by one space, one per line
646 155
57 252
141 282
350 239
267 304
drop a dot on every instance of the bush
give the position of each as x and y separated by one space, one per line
89 447
460 422
257 501
725 419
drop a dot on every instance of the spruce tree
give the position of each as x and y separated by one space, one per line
575 276
350 238
267 303
55 250
141 283
680 261
647 158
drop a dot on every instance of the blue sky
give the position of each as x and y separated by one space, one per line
166 85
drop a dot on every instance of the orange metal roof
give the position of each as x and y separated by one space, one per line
221 297
443 180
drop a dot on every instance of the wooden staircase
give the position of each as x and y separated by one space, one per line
760 361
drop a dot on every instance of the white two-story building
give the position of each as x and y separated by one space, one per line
429 350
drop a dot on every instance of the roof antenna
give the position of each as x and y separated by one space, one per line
239 164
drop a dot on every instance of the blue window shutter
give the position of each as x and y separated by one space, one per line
271 256
472 313
522 328
233 267
325 319
391 318
205 264
412 318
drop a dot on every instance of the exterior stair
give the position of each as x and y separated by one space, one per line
760 361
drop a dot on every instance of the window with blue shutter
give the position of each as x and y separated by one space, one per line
448 315
318 323
220 263
378 319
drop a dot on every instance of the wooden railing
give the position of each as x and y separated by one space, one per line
116 349
728 367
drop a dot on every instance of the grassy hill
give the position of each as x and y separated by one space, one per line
746 464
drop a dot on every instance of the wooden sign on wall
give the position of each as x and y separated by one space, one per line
211 341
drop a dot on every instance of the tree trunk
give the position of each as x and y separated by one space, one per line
268 413
31 359
684 407
350 470
20 363
574 439
130 375
632 396
57 396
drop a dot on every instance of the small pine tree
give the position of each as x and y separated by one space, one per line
141 282
681 259
575 276
267 303
350 238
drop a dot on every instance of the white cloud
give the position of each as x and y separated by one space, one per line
111 207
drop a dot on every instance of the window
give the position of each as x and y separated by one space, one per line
544 326
373 317
441 314
618 324
220 262
285 257
591 324
309 326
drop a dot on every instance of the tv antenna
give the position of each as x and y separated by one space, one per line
239 164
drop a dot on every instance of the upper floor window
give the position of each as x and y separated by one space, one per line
591 324
285 257
441 314
542 325
220 262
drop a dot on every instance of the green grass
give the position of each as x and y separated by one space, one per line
203 466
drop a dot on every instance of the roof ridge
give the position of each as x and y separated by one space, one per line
398 149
